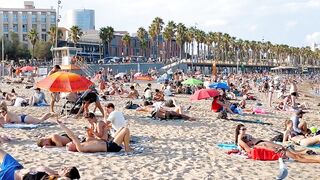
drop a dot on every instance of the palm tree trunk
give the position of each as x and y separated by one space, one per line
32 51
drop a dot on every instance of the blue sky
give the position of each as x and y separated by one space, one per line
293 22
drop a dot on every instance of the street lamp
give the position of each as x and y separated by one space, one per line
57 21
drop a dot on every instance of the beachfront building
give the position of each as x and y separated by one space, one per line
84 18
22 20
93 50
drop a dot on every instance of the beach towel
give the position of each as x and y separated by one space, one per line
227 146
21 126
263 154
315 146
249 121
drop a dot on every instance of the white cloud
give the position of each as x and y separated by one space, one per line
253 28
215 23
313 38
291 24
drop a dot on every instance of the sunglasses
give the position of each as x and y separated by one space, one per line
243 129
2 111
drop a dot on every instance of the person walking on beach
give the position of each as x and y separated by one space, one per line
54 96
293 92
270 94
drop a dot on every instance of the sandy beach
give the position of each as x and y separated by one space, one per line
170 149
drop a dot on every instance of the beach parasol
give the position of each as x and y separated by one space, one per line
27 68
219 85
204 94
192 81
64 82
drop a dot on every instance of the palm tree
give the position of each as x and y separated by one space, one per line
126 39
169 33
33 38
53 33
181 36
75 34
152 34
142 35
106 34
209 41
157 24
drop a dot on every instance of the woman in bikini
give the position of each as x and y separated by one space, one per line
13 118
248 142
303 140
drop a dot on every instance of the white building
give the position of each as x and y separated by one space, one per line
84 18
315 46
22 20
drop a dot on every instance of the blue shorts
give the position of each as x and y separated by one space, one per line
8 167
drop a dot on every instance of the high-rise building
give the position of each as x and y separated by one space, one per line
84 18
22 20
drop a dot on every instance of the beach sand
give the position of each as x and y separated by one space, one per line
172 149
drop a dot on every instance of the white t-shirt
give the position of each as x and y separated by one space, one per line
19 101
117 120
148 94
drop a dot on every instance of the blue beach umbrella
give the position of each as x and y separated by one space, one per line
219 85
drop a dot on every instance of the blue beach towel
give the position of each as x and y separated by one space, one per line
21 126
227 146
316 146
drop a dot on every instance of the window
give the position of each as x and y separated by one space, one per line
44 37
15 28
24 28
43 18
53 19
5 28
15 18
34 18
43 28
5 18
24 18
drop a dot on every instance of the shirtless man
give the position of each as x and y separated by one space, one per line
293 92
97 129
133 94
96 145
13 118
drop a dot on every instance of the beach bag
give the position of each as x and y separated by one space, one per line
222 115
277 138
263 154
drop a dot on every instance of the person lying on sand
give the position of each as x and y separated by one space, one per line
300 139
12 118
54 140
247 142
164 114
11 169
97 145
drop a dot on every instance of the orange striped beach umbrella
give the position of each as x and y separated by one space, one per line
64 82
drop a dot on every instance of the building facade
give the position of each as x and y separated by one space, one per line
84 18
22 20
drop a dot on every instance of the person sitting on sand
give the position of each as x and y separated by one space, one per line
302 140
37 98
54 140
158 96
11 169
133 94
299 127
248 142
98 129
116 119
219 104
97 145
121 90
12 118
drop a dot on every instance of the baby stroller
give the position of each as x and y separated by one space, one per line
72 104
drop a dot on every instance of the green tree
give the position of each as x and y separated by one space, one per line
126 39
142 35
157 26
33 38
53 33
75 34
42 50
181 36
106 35
169 34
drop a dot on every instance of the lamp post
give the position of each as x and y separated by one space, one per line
57 21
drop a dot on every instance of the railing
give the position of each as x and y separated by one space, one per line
85 68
